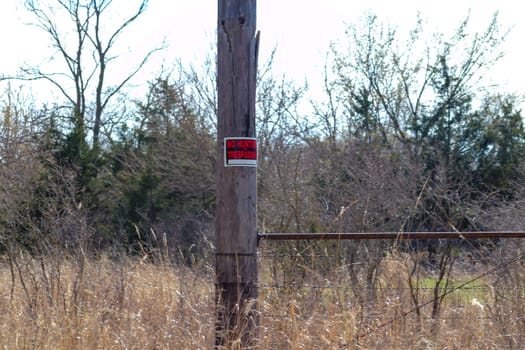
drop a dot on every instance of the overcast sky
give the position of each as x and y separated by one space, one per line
300 29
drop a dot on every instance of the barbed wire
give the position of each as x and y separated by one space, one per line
375 318
334 286
364 262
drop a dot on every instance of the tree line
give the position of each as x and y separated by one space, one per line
407 136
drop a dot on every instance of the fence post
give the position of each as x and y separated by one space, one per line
236 221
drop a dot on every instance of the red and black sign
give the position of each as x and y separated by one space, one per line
240 151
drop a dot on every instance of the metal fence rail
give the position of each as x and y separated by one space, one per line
391 235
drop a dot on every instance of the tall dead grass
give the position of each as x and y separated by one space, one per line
66 303
103 304
369 305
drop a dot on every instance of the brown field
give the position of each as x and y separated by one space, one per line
304 303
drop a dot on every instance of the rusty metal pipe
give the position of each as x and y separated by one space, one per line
390 235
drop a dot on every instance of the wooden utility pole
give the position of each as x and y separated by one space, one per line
236 215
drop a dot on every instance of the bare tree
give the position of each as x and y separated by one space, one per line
84 38
20 128
395 87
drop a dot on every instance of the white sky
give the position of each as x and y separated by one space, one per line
301 29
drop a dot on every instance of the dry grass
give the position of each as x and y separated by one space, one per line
104 305
131 304
342 309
